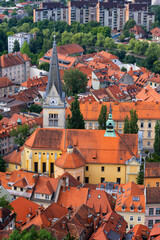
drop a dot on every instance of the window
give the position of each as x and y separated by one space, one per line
131 226
157 184
44 167
151 211
55 156
118 180
149 134
149 125
90 125
86 179
142 124
47 197
16 167
102 169
157 211
120 131
78 178
99 196
132 208
37 195
86 168
150 223
120 125
21 189
15 188
53 119
118 169
139 219
102 179
148 143
131 218
157 221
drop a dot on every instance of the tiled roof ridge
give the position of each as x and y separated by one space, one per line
125 144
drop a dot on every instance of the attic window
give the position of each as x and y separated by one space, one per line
135 198
99 196
89 195
132 208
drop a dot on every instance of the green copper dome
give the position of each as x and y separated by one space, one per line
110 132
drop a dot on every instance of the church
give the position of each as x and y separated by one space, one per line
91 156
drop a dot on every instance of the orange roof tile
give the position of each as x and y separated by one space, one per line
148 94
70 160
5 82
98 149
13 59
73 182
155 232
70 49
22 207
137 231
156 31
137 30
46 185
130 194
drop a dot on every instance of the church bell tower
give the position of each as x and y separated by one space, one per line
54 103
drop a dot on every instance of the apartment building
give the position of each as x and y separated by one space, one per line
139 13
81 11
21 38
7 87
16 66
110 14
54 11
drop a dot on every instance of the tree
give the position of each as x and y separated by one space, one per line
75 82
133 122
44 66
69 237
105 31
4 203
140 47
102 118
130 59
20 134
131 126
109 43
100 40
1 117
76 121
31 234
35 108
140 177
126 125
123 69
2 164
156 67
129 24
25 49
16 47
157 139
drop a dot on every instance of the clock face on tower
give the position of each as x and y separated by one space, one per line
53 101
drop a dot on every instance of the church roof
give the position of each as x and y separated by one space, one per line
97 148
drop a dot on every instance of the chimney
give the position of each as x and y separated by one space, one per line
20 223
64 225
28 218
145 90
49 222
34 177
64 184
131 69
17 148
39 210
156 101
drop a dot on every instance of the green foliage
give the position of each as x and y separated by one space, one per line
1 117
69 237
156 10
25 49
140 47
131 126
75 121
130 59
132 43
35 108
156 67
129 24
102 118
157 139
4 203
16 46
140 177
20 134
2 164
109 43
31 234
105 31
75 82
100 40
123 69
44 66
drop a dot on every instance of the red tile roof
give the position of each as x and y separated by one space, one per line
13 59
115 92
70 49
73 182
138 231
98 149
155 232
46 185
70 160
148 94
22 207
137 30
14 157
5 82
156 31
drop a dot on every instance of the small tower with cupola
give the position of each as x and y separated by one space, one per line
110 132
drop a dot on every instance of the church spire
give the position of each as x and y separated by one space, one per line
110 132
54 74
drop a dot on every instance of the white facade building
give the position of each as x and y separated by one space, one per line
21 38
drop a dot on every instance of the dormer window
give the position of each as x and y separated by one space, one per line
132 208
139 208
123 207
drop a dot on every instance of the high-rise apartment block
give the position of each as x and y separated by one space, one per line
109 13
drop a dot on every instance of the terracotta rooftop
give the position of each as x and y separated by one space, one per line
70 160
115 92
98 149
70 49
27 95
14 157
73 182
46 185
129 195
5 82
137 232
156 31
148 94
113 227
152 170
23 207
137 30
13 59
54 211
155 232
152 195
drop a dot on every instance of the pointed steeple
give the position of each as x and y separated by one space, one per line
110 132
54 79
